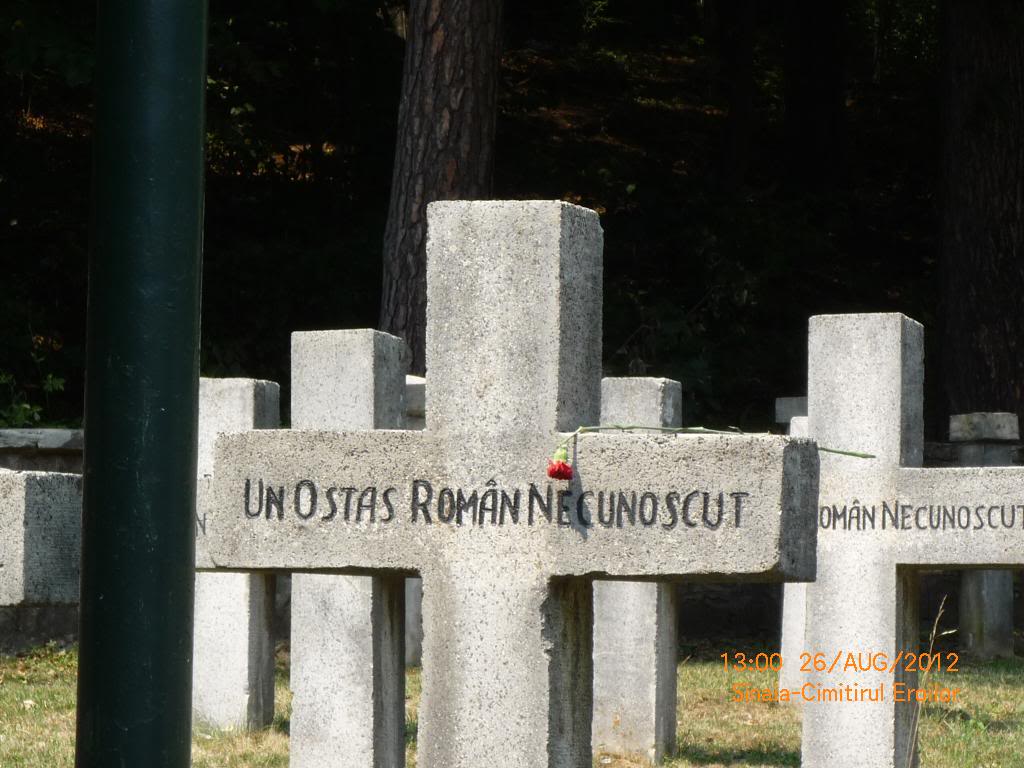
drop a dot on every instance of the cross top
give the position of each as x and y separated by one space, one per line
513 350
513 317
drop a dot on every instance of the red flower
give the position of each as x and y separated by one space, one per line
559 470
559 467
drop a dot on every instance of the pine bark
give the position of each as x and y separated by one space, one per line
983 206
445 144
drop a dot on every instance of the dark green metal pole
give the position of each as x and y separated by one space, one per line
142 379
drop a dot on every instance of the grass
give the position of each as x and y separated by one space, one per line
985 730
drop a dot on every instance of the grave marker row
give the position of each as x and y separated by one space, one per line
506 557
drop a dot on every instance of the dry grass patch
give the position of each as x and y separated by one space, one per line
37 708
984 730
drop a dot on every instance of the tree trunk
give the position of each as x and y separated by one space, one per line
983 222
445 144
815 90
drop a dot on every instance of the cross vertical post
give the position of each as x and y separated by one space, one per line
528 278
794 602
864 393
635 623
986 596
348 674
233 650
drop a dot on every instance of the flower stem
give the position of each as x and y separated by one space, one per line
689 431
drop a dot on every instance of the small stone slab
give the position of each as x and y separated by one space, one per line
70 440
788 408
415 402
40 538
41 450
983 426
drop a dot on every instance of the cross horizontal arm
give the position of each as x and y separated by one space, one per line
305 500
639 505
958 516
667 505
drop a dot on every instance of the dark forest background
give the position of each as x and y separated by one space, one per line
753 163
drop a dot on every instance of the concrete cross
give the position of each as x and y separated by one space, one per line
233 640
794 596
880 522
347 672
635 622
40 545
986 597
506 556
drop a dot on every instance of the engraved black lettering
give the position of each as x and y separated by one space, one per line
721 509
581 508
465 503
648 509
248 491
331 502
544 503
738 497
348 501
367 503
446 514
489 504
625 506
389 505
610 520
310 486
562 508
417 506
686 509
948 517
671 502
511 505
888 516
275 499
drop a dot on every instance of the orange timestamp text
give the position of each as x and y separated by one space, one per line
844 661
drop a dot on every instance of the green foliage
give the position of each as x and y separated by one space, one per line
594 14
20 404
613 104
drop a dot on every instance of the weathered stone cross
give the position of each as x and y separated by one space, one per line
506 556
880 522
